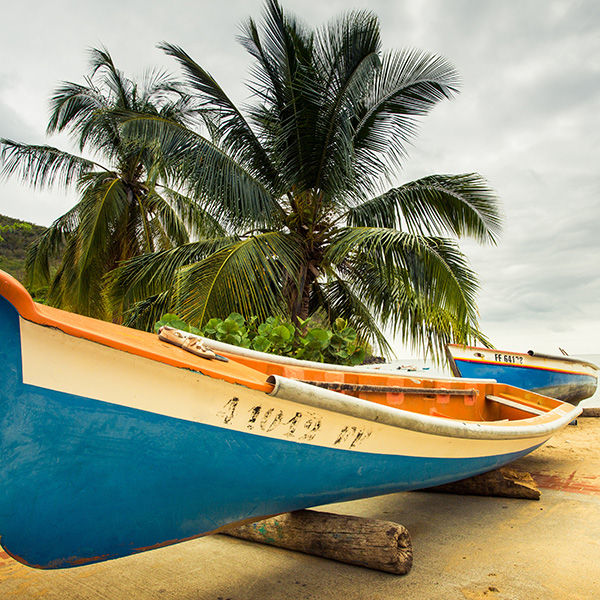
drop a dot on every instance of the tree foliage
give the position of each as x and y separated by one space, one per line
299 181
125 206
15 237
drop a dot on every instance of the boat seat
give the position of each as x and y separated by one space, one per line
517 405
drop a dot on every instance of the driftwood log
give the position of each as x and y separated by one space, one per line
380 545
591 412
505 482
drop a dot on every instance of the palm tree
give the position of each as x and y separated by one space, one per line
299 185
125 209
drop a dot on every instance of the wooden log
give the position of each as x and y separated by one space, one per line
505 482
380 545
593 411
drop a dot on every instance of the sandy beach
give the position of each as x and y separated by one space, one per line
465 548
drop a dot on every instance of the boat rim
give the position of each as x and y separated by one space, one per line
531 353
543 425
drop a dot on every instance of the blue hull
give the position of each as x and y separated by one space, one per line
85 480
569 387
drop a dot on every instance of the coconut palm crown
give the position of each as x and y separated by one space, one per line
299 182
124 208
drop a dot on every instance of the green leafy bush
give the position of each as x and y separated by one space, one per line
337 346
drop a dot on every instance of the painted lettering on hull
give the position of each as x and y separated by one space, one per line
301 426
511 359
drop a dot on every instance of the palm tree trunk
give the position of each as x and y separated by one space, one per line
300 301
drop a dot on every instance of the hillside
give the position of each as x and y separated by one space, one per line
14 243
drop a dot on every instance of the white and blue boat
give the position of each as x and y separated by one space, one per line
563 377
114 442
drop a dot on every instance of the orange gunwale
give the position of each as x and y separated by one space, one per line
133 341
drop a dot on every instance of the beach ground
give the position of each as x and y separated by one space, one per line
465 547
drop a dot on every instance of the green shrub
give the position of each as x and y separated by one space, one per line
337 346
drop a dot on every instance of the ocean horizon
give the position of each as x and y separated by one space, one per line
426 368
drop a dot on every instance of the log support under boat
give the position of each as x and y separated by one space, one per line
503 482
380 545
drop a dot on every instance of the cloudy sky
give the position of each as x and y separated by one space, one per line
527 119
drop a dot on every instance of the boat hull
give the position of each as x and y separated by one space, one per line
106 451
567 380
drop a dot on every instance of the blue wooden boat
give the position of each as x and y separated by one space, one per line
113 441
563 377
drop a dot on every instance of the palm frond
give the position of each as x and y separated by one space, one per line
413 312
285 80
347 56
433 267
150 275
47 247
338 298
426 327
198 222
41 166
243 277
463 205
206 172
280 50
235 134
407 86
104 200
77 290
145 313
164 220
122 88
73 105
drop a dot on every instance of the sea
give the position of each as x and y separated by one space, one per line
424 368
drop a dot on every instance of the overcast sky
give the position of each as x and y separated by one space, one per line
527 119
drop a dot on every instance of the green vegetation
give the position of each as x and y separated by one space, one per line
125 206
281 212
15 237
274 336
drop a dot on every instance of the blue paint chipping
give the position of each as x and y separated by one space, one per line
84 480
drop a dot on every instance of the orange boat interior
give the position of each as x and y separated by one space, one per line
468 400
